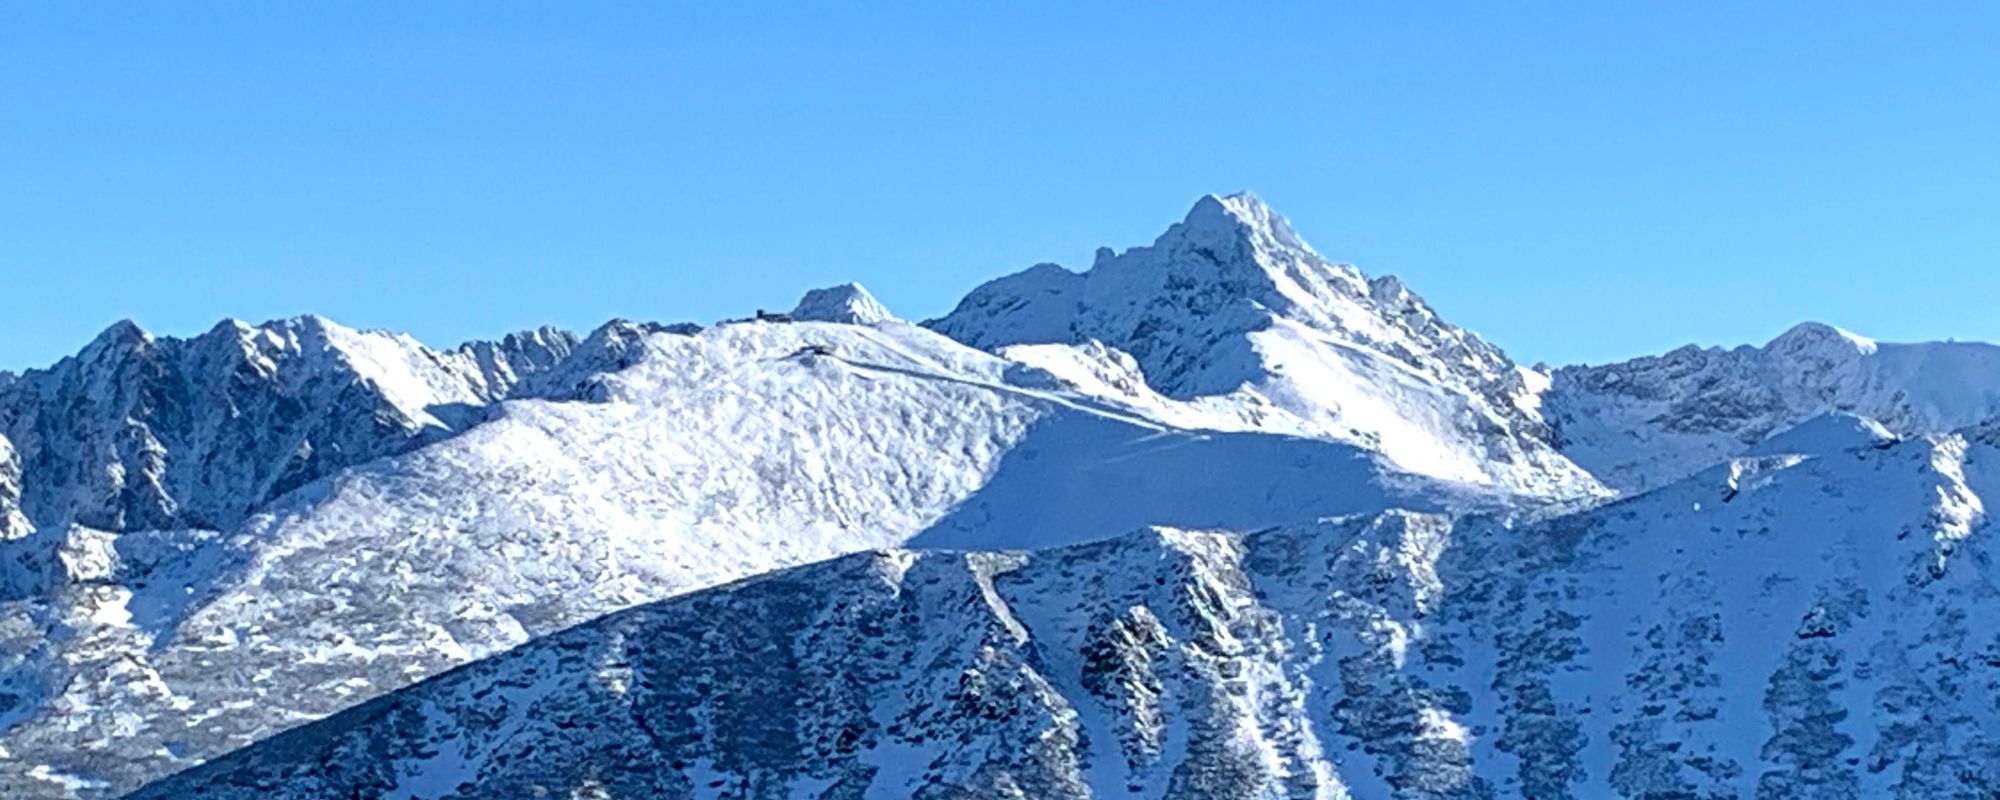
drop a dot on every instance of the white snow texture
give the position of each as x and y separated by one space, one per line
1216 517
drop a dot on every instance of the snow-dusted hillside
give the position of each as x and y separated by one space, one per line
692 458
1786 627
1648 421
1232 308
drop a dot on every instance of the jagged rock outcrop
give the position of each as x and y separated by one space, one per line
580 374
519 358
143 433
13 523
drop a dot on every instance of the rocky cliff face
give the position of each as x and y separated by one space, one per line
143 433
1787 627
13 523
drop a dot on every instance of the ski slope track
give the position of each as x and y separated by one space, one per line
1215 517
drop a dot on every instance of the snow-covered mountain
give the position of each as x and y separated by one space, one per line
669 459
1780 627
1230 308
1374 558
1648 421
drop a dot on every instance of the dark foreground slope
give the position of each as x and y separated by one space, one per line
1782 627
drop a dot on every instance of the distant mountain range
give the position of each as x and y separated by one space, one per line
1216 517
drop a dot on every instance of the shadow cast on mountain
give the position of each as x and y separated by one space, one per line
1078 476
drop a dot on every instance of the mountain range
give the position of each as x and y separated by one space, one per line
1215 517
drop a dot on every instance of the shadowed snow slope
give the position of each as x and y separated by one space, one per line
1826 433
708 457
1231 307
1781 628
1648 421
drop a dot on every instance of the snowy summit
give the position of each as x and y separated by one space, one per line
1232 309
847 303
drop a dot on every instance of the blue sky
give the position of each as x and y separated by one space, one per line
1576 181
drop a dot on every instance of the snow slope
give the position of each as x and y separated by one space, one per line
710 456
1649 421
1784 627
1232 308
1827 433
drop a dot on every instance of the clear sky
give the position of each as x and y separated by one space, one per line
1577 181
